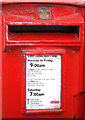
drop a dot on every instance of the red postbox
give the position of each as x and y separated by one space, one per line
42 60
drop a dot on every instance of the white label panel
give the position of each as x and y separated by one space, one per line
43 81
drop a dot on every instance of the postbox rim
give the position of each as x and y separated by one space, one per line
68 2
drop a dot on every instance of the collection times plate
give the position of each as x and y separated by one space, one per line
43 81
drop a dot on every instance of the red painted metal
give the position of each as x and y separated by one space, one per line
84 66
15 47
68 2
0 63
68 16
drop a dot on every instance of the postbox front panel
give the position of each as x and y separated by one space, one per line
42 60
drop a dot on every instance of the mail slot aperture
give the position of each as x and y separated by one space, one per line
39 28
39 34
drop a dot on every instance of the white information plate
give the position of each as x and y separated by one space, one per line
43 81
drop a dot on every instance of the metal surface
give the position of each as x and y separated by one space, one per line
84 66
44 13
16 45
68 2
16 14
